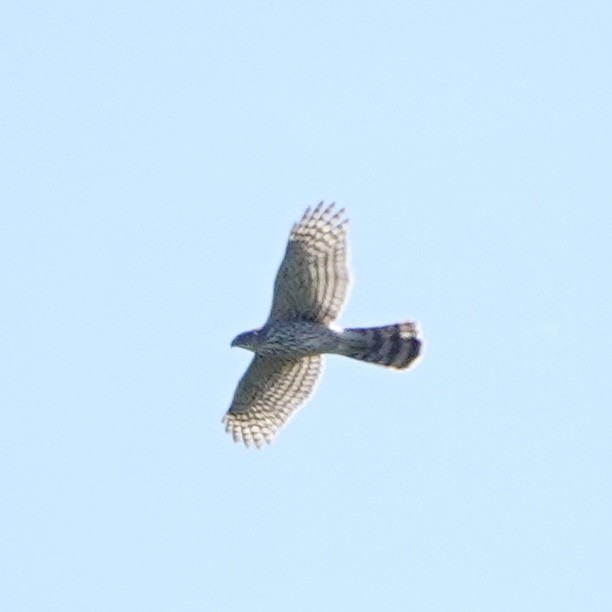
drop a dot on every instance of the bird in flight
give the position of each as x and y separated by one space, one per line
309 291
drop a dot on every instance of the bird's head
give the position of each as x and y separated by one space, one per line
248 340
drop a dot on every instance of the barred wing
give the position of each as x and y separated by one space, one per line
268 394
312 281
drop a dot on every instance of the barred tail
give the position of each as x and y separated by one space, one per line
393 346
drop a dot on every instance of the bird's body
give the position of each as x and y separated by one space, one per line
290 339
310 289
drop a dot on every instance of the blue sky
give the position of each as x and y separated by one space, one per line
153 158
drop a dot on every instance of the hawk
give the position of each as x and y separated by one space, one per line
310 289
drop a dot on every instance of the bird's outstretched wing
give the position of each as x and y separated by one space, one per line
270 391
312 281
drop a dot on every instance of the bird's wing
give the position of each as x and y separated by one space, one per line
312 281
268 394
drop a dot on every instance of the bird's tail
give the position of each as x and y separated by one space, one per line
394 346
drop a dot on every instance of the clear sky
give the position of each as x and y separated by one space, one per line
153 157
